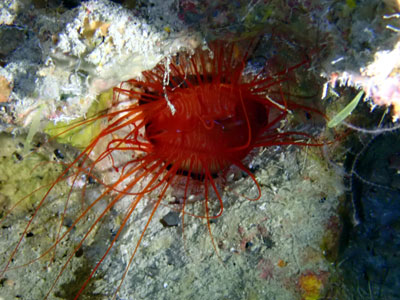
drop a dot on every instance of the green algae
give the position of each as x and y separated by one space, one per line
80 132
345 112
23 173
25 180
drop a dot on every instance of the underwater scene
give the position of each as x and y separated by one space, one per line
197 149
